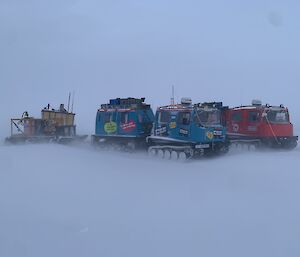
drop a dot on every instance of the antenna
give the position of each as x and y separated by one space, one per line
72 101
69 101
172 98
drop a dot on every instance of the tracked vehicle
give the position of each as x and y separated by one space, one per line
261 125
53 126
186 130
123 123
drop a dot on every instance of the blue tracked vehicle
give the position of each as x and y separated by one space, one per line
123 123
185 130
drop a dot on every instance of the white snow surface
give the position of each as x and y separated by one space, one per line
66 201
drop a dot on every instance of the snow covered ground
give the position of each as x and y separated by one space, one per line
65 201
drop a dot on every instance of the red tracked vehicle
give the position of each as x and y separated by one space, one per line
262 125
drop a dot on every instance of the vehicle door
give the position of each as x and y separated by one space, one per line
183 123
161 126
145 121
253 122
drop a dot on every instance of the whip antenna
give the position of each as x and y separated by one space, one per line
172 98
72 101
69 101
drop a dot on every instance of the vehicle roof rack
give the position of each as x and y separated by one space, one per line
129 102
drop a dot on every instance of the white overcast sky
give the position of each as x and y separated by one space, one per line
228 50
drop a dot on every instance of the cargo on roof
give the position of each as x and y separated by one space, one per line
125 103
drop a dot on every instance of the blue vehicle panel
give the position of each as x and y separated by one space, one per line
124 119
180 125
120 122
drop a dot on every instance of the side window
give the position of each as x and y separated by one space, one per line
184 118
253 116
124 117
140 118
236 116
109 117
163 117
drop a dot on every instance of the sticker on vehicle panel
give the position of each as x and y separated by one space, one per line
183 132
110 127
210 135
161 131
218 132
252 128
129 126
172 125
235 127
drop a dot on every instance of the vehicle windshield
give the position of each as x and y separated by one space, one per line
278 116
208 117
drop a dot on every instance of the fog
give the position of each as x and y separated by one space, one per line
62 201
74 201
